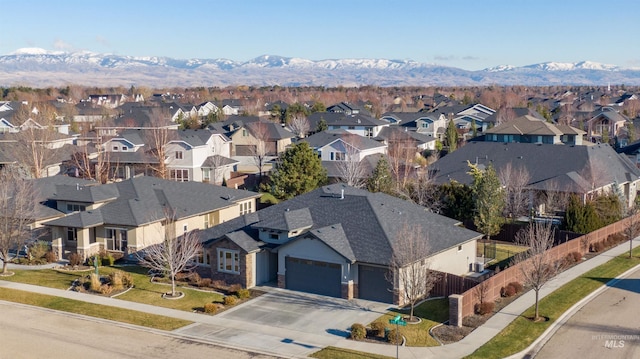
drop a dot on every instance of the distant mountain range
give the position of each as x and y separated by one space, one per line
40 68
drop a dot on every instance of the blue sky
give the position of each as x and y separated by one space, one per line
472 34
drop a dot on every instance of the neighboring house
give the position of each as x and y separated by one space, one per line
347 109
334 147
358 123
87 115
246 131
108 100
429 124
199 155
5 122
632 151
607 122
45 188
126 156
205 108
463 115
420 140
128 216
336 241
528 129
581 170
138 117
232 107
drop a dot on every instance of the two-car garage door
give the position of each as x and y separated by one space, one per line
313 276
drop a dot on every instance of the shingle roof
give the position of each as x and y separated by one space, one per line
529 125
324 138
144 200
570 168
371 222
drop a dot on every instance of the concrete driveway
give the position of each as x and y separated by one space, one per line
288 322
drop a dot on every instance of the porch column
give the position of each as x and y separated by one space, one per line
56 242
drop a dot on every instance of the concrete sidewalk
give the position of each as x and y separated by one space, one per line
268 339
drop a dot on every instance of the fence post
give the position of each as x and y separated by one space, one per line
455 310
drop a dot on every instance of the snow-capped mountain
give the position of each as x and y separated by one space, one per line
39 68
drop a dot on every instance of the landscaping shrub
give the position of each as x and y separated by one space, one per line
394 337
577 256
616 238
182 277
127 280
220 284
107 259
75 259
507 291
38 250
210 308
205 282
230 300
243 293
517 286
50 257
90 261
358 331
94 282
106 289
195 279
378 328
234 288
484 308
115 279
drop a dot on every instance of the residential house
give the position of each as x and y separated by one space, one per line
421 141
246 132
232 107
430 124
336 241
580 170
358 123
199 155
605 123
348 109
108 100
128 216
336 147
528 129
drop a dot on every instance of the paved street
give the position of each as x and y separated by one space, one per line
29 332
606 327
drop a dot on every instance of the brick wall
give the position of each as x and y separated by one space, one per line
246 265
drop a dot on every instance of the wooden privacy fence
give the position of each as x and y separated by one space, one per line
462 305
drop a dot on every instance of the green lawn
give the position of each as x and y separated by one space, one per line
143 292
432 312
339 353
93 310
522 332
504 253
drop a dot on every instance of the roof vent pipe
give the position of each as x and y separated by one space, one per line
342 193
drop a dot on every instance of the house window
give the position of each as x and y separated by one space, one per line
337 156
116 239
369 132
185 229
424 124
244 133
228 261
124 148
72 234
460 248
245 208
273 236
206 175
179 175
75 207
352 127
203 258
115 148
210 220
178 155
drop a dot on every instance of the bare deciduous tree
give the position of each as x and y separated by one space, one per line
158 136
17 205
536 264
93 165
175 254
300 126
259 150
401 152
515 181
632 230
409 271
33 147
351 169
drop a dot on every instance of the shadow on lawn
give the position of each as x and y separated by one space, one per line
630 284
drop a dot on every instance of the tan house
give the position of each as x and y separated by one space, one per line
128 216
528 129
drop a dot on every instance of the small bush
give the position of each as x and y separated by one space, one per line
243 293
507 291
378 328
616 238
210 308
94 282
577 256
75 259
205 282
90 261
234 288
230 300
50 257
116 281
220 284
394 337
517 286
105 289
195 279
599 246
127 280
108 260
484 308
182 277
38 249
358 331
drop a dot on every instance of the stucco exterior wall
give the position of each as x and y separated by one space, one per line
455 261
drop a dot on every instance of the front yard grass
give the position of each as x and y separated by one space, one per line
93 310
522 332
340 353
504 253
432 312
144 290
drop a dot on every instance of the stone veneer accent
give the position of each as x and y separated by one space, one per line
281 281
455 310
